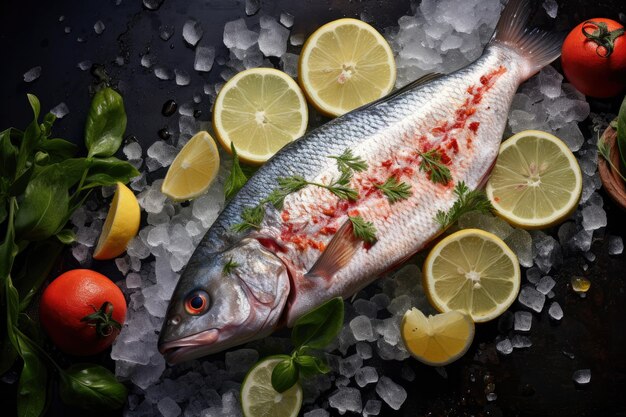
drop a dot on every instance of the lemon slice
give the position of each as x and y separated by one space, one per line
437 340
120 226
536 182
193 170
474 272
344 65
260 110
259 399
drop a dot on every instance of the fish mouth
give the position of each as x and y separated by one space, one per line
179 350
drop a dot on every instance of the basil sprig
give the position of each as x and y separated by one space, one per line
314 330
41 184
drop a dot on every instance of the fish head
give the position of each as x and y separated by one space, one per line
223 300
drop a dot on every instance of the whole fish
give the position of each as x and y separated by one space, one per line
241 286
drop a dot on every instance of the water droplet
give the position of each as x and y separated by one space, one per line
169 108
164 134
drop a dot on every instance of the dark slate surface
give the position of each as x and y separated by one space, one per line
530 382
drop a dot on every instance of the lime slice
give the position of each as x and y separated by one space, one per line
474 272
259 399
260 110
344 65
437 340
193 170
120 226
536 182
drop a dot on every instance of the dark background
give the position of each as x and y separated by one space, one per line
530 382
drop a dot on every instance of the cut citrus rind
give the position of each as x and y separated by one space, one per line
474 272
536 182
345 64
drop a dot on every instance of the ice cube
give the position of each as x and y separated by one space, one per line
520 242
237 35
362 328
152 4
504 346
346 399
520 120
532 298
159 235
132 151
391 393
523 321
582 376
366 375
205 55
289 64
163 152
551 7
372 408
594 217
545 284
192 32
520 342
182 77
133 280
60 110
252 7
168 407
122 265
296 39
348 366
318 412
550 82
555 311
486 222
364 350
572 136
81 254
147 60
152 199
98 27
166 32
286 19
84 65
533 275
616 245
163 73
273 37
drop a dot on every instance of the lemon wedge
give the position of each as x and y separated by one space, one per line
120 226
259 399
437 340
193 170
344 65
536 182
259 110
474 272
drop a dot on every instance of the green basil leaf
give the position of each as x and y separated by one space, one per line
31 137
621 132
284 375
9 152
31 275
108 171
66 236
72 169
106 123
91 387
311 365
43 209
20 184
46 125
236 179
58 149
13 302
31 388
8 248
318 327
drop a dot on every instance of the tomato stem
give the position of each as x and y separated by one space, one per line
102 320
602 36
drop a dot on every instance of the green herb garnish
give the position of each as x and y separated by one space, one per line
621 132
314 330
347 162
236 179
395 190
467 201
229 267
363 230
604 150
432 164
251 217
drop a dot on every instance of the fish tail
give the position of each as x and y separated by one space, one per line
536 46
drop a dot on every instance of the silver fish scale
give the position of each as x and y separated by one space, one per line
376 133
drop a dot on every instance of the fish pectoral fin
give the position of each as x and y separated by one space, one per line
337 254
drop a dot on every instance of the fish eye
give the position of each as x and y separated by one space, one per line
197 302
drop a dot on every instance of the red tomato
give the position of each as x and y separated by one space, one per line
594 57
82 311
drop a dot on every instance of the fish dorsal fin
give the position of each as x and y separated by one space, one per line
424 79
337 254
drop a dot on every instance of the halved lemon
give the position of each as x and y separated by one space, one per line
259 399
344 65
193 170
536 182
121 224
260 110
437 340
474 272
